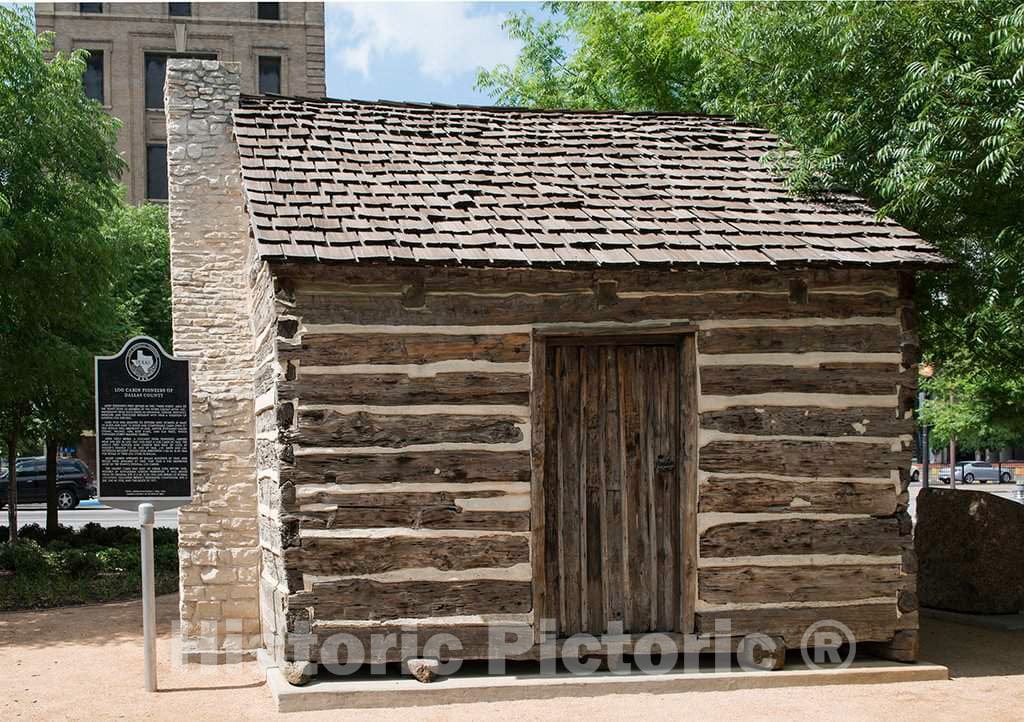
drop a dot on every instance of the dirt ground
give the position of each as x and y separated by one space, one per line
85 663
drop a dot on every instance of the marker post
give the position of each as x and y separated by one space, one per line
146 521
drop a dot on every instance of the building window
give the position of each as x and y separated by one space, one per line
179 10
156 74
92 78
156 71
156 172
90 8
270 74
268 11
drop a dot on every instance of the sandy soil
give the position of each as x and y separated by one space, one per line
86 663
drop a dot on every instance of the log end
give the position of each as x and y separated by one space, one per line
760 651
424 670
298 673
902 647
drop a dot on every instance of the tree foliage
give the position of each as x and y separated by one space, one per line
142 285
917 106
58 181
978 411
626 56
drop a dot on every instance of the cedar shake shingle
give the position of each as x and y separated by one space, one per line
350 180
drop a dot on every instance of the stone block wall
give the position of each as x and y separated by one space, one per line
211 301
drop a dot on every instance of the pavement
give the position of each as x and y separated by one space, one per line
90 511
85 663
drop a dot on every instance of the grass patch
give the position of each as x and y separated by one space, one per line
83 566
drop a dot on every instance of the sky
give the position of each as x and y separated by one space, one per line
420 51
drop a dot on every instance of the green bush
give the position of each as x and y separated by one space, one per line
117 559
163 535
26 557
165 556
77 562
92 564
32 532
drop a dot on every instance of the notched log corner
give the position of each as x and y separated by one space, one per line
290 534
284 289
298 620
906 523
285 415
287 487
287 327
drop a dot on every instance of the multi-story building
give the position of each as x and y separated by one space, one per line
280 46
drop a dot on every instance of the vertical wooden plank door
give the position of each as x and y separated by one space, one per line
612 486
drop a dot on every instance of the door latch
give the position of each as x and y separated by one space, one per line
664 463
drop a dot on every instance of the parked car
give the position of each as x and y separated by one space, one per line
981 471
971 471
74 482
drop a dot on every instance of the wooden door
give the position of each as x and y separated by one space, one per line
613 499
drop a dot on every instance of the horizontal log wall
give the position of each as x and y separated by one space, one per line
805 439
405 438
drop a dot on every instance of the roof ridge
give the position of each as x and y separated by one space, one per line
498 108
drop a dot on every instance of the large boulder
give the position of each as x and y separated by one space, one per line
970 551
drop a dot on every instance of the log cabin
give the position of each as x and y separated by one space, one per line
560 371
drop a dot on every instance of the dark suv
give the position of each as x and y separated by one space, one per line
74 482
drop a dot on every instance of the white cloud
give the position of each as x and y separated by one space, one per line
357 58
445 39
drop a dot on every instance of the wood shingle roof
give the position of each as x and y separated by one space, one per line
352 180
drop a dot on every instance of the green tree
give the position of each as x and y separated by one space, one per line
974 407
628 56
142 287
917 106
58 181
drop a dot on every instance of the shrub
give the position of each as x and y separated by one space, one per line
165 556
119 559
163 535
33 532
93 564
26 557
76 562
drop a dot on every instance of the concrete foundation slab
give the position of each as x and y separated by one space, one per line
362 692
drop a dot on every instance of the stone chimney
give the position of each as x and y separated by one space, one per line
211 256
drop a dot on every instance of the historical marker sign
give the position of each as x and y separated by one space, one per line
143 426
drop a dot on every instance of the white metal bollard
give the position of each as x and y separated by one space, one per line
146 521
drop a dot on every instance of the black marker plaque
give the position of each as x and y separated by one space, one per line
143 425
